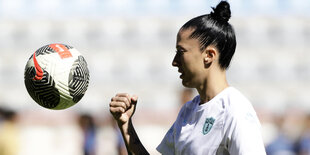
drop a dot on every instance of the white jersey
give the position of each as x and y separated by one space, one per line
226 125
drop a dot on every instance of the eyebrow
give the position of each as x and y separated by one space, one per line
178 47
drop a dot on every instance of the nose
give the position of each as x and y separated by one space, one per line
175 61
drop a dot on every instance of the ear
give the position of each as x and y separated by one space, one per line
210 55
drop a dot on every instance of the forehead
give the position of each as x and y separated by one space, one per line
184 34
184 40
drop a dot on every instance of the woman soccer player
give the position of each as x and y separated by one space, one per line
220 120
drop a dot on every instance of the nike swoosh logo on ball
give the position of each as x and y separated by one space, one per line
39 71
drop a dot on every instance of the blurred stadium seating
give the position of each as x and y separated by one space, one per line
129 46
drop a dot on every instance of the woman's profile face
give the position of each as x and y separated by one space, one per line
189 59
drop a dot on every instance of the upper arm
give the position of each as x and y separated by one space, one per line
245 135
167 144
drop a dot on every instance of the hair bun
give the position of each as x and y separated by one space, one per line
222 11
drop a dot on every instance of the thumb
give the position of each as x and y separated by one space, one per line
134 99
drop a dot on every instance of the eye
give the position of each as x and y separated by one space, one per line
180 51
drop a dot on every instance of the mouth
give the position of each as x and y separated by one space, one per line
182 74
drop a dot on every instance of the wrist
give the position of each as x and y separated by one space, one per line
123 125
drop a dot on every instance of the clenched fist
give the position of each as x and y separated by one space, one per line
122 107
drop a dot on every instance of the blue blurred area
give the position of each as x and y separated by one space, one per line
62 9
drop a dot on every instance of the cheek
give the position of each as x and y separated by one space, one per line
194 64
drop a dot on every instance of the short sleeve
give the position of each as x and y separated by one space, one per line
166 146
246 136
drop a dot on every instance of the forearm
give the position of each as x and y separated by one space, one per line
131 139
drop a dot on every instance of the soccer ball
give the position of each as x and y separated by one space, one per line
56 76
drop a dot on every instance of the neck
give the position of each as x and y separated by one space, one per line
213 85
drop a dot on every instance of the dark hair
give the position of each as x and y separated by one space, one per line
214 29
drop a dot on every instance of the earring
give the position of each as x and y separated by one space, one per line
206 60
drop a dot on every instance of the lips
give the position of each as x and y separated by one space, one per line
182 74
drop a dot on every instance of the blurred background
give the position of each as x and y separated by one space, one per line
129 46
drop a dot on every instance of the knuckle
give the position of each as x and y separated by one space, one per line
123 99
122 94
123 104
127 95
112 104
112 110
126 104
120 109
119 94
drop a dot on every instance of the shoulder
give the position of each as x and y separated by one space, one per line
242 125
236 103
190 105
187 110
239 111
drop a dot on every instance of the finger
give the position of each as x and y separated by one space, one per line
134 99
118 104
122 99
117 110
123 95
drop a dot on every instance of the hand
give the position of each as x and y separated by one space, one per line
122 107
